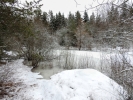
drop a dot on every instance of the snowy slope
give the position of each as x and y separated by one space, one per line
85 84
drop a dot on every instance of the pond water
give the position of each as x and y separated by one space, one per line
46 73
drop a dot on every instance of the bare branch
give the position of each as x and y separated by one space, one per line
76 3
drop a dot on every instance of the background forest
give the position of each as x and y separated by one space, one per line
30 32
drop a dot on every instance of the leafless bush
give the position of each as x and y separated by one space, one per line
6 81
122 71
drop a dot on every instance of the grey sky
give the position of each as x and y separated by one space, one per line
66 6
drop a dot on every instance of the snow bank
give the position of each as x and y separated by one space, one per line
79 84
87 84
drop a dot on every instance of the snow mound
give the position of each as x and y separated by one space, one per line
78 84
87 84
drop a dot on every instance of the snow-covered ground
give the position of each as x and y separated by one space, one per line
78 84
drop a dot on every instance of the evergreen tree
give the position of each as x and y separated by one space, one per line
98 21
58 21
38 15
71 24
116 15
131 11
85 18
124 11
110 14
52 23
92 19
92 26
63 21
68 39
113 15
45 19
78 19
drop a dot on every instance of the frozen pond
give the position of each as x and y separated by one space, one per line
74 59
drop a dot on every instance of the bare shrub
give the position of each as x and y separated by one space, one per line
6 81
122 71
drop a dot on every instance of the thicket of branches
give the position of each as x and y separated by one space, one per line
22 31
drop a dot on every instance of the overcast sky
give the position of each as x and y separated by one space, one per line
66 6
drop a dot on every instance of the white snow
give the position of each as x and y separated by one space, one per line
87 84
78 84
11 53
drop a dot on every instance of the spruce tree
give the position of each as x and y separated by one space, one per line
92 19
124 11
78 21
116 14
45 19
71 24
85 18
63 21
52 23
98 21
78 18
58 21
131 11
111 14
